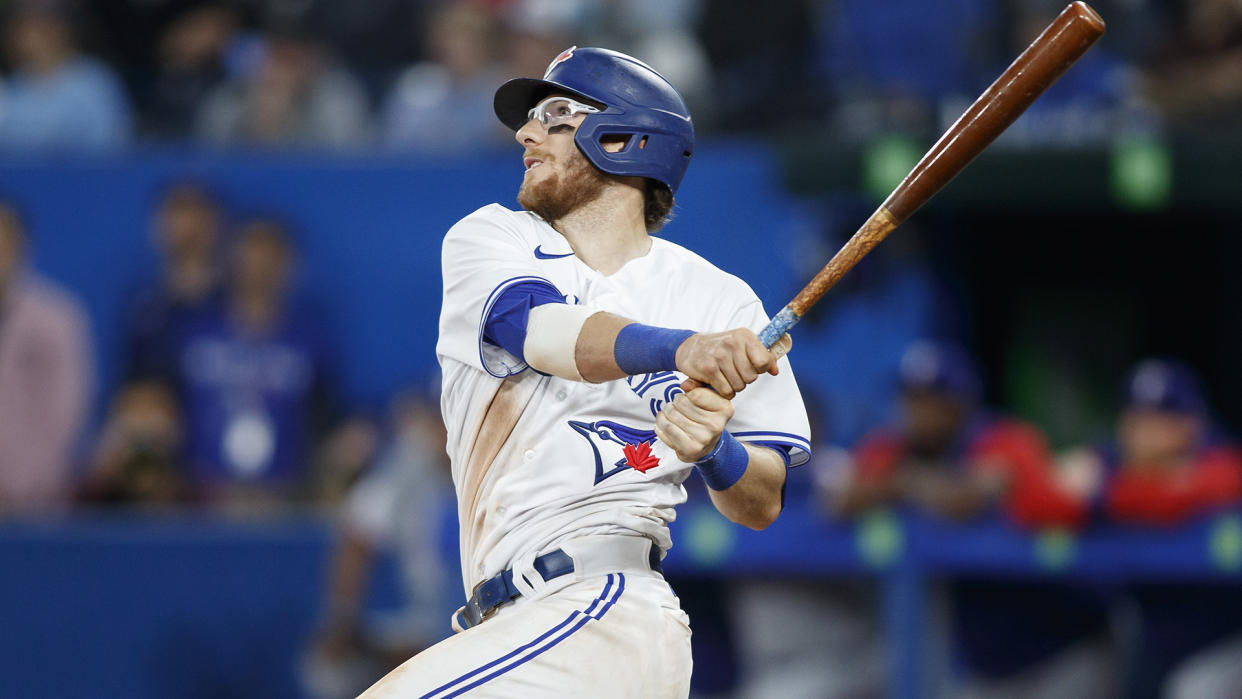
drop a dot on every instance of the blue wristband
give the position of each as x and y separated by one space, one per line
644 349
725 465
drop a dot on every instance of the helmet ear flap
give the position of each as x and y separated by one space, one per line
649 151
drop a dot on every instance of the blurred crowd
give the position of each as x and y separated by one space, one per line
417 76
228 395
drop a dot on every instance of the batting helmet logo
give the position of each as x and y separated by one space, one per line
564 56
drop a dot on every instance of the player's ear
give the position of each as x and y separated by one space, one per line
615 143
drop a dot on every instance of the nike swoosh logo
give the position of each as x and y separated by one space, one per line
541 255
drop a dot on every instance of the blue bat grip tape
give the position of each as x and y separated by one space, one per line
780 325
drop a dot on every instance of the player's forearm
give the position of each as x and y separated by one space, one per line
594 351
581 345
754 501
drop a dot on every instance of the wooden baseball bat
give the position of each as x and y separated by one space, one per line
1046 59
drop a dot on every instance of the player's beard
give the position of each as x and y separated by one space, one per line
555 197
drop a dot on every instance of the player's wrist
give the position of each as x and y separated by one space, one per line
725 464
646 349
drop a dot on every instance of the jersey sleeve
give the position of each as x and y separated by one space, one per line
1170 497
770 412
483 256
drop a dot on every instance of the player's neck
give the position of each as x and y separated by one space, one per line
608 232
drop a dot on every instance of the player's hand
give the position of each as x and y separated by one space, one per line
726 361
692 422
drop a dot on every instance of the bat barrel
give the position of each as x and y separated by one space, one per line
1065 40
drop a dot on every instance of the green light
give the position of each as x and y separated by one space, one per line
1142 174
1055 549
1225 543
886 162
880 538
709 537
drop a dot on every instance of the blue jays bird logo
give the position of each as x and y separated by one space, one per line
635 445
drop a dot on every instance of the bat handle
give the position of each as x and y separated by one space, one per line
779 325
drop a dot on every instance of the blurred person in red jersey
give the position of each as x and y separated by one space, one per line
56 98
1171 462
45 378
949 458
1168 465
137 458
186 229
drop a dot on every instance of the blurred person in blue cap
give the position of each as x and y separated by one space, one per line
1168 464
57 99
1170 461
949 457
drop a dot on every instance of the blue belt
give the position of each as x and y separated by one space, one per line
499 590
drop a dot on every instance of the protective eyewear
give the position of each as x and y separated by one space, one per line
558 110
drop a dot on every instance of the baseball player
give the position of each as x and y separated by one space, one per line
566 335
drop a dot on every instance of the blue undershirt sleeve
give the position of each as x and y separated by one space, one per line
505 325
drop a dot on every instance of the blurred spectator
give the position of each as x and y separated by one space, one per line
1168 465
445 105
1094 103
186 228
402 505
890 69
189 64
951 460
56 98
138 456
253 375
45 378
296 96
534 30
1196 80
661 34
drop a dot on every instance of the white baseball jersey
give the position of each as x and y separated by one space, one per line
538 459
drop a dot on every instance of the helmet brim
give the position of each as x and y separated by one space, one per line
514 99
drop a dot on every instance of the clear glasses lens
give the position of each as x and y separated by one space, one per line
558 110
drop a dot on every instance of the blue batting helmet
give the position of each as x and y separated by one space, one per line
1165 385
640 104
941 367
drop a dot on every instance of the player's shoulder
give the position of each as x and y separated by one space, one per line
494 219
698 273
